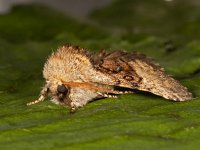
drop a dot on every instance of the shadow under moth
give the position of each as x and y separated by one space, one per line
75 77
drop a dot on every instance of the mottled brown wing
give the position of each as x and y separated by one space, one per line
136 71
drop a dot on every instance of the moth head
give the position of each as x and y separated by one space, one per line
58 93
70 94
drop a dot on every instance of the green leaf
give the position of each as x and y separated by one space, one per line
135 121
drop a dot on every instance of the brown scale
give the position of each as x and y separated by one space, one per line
115 65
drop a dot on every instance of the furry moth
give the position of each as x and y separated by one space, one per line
75 77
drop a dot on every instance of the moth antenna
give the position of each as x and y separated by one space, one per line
40 99
42 96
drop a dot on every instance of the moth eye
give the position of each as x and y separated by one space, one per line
62 89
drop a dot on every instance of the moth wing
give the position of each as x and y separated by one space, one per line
136 71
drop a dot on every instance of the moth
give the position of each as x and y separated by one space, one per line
75 77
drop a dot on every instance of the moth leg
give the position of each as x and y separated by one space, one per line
73 109
114 93
107 95
119 92
41 98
